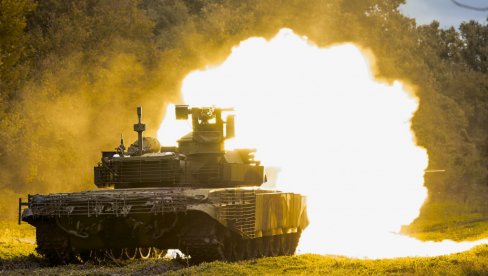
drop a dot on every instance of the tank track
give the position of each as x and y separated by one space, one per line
107 255
53 244
235 248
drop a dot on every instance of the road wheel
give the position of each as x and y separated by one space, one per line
159 253
144 252
97 256
295 237
275 245
53 244
130 253
252 248
226 250
287 244
84 256
116 253
239 249
263 246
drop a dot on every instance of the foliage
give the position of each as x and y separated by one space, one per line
12 44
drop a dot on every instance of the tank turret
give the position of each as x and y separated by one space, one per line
200 160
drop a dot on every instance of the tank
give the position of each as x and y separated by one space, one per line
196 197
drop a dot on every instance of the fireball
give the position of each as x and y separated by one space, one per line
337 135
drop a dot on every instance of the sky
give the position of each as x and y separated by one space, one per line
444 11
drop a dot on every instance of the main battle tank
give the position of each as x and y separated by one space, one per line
196 197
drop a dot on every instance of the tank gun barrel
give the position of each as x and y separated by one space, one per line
434 171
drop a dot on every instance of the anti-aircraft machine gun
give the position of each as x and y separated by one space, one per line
196 197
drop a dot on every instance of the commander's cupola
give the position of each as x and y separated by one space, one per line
209 130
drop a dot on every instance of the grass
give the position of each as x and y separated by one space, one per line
18 257
473 262
16 240
36 266
449 220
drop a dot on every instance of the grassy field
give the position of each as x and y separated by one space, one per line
449 220
18 257
16 240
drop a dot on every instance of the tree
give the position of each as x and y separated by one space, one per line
13 41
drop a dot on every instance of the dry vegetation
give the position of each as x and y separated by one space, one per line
18 257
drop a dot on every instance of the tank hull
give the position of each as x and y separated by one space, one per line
207 224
